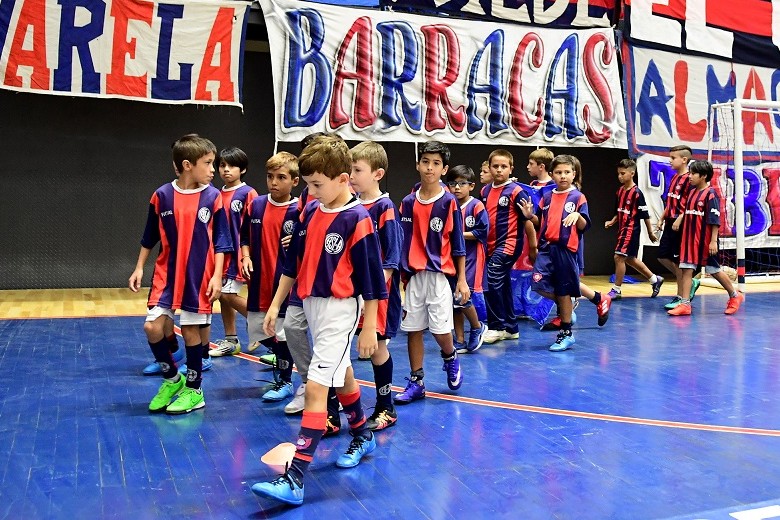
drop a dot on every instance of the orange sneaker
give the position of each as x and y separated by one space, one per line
734 303
684 309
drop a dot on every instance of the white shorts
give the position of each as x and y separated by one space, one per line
428 304
186 317
332 322
254 321
232 286
708 269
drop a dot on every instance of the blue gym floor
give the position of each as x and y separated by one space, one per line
648 417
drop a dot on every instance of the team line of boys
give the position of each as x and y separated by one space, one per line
331 263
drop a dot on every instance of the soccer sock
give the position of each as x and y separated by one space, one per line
566 328
284 360
231 338
734 294
654 279
173 343
596 298
354 412
312 430
616 288
383 378
163 356
205 353
194 365
417 375
449 357
333 406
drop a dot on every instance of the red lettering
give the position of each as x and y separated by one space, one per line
725 229
438 104
751 119
32 16
118 81
222 34
772 176
520 120
593 64
686 130
363 75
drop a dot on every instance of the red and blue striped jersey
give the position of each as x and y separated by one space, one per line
235 200
432 233
553 208
475 220
335 253
702 212
535 189
265 224
190 226
506 219
388 228
676 195
631 209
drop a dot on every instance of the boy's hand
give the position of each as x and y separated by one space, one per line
367 344
652 236
246 267
269 323
533 252
135 280
608 224
659 226
713 248
677 223
214 289
527 208
462 290
571 219
286 241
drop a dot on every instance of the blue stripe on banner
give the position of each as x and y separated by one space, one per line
6 10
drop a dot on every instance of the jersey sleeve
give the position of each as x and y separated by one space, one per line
713 210
220 235
243 238
389 231
481 223
368 279
456 236
520 196
152 230
294 253
642 210
582 209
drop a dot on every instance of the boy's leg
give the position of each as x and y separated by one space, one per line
620 273
363 441
172 384
683 308
153 368
602 302
384 414
460 332
440 325
502 322
415 388
655 281
565 339
195 331
295 330
477 331
282 386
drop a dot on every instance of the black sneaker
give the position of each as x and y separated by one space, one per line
382 418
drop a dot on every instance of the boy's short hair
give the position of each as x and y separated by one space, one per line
328 155
461 171
685 149
628 164
371 152
282 159
434 147
236 157
542 156
575 164
485 164
501 153
191 147
306 141
702 168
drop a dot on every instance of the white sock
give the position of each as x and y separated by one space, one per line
616 288
653 279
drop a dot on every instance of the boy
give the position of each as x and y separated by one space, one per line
432 257
460 180
484 173
562 217
269 220
187 218
698 227
539 166
335 257
236 196
677 194
369 164
502 200
630 210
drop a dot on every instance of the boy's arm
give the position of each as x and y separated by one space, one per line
527 207
282 292
214 287
530 234
367 343
246 263
611 222
713 246
651 235
461 287
149 239
677 223
135 279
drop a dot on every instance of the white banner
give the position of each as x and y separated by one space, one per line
383 75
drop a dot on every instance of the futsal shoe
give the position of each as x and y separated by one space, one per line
189 399
615 295
657 286
298 401
510 335
564 341
555 323
279 391
253 346
284 489
734 303
168 390
153 368
602 309
460 346
360 446
454 374
695 283
476 338
673 303
414 391
683 309
226 347
491 336
382 418
207 364
268 359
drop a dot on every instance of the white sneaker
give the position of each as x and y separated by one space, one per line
298 401
491 336
225 348
509 335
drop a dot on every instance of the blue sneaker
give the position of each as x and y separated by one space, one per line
279 391
454 374
207 364
153 368
359 446
460 347
476 336
563 342
695 283
414 390
284 489
673 303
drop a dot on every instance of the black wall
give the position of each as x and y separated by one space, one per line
79 173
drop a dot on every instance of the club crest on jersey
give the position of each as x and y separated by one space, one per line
334 243
288 227
537 277
204 214
470 221
503 200
569 207
236 206
437 224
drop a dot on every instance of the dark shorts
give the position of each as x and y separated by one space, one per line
628 248
669 247
556 271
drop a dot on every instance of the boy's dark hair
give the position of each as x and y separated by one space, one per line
575 165
328 155
687 152
702 168
191 147
236 157
461 171
628 164
306 141
435 147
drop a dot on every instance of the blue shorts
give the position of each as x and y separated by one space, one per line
556 271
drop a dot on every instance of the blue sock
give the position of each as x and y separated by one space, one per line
383 378
162 354
194 365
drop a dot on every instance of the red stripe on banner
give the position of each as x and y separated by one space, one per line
752 17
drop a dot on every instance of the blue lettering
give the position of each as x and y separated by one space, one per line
78 37
774 93
393 81
568 53
661 174
162 86
653 105
756 219
6 10
717 93
494 88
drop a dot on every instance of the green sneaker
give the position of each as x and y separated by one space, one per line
268 359
695 283
189 399
167 391
674 303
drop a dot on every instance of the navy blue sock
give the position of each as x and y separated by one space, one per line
596 298
333 405
173 343
163 356
194 365
383 378
204 354
284 360
312 430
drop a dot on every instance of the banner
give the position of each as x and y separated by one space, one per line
668 98
376 74
174 52
744 31
762 199
552 13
